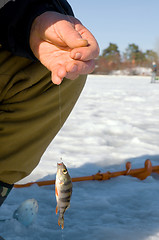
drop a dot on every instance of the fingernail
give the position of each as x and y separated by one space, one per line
84 42
78 56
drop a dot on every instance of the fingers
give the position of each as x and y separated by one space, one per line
80 39
88 52
85 53
58 74
59 29
82 68
70 36
83 44
63 45
85 67
72 70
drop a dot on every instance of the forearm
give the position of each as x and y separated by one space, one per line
16 18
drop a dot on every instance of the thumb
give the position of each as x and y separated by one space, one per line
71 36
60 30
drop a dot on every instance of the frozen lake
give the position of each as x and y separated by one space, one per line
115 120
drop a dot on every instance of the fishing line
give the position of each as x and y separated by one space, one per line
62 234
60 97
69 18
60 111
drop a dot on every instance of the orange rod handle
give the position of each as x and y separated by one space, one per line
141 173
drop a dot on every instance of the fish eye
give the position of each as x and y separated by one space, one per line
64 171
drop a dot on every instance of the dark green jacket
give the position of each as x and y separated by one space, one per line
16 18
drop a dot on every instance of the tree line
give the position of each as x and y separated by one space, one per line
111 58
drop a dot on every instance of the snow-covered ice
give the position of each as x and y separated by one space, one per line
115 120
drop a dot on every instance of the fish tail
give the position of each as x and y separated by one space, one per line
61 221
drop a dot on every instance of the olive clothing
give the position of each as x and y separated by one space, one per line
29 113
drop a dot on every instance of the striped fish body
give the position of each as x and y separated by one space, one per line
63 192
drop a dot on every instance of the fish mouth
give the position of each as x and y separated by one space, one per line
60 163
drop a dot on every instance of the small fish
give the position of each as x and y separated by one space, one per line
63 191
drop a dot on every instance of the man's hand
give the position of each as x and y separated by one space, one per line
63 45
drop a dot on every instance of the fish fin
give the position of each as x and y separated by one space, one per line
56 210
56 191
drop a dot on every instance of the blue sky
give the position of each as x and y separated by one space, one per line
120 21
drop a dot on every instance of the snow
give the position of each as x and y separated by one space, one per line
115 120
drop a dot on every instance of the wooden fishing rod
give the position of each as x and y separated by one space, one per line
140 173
